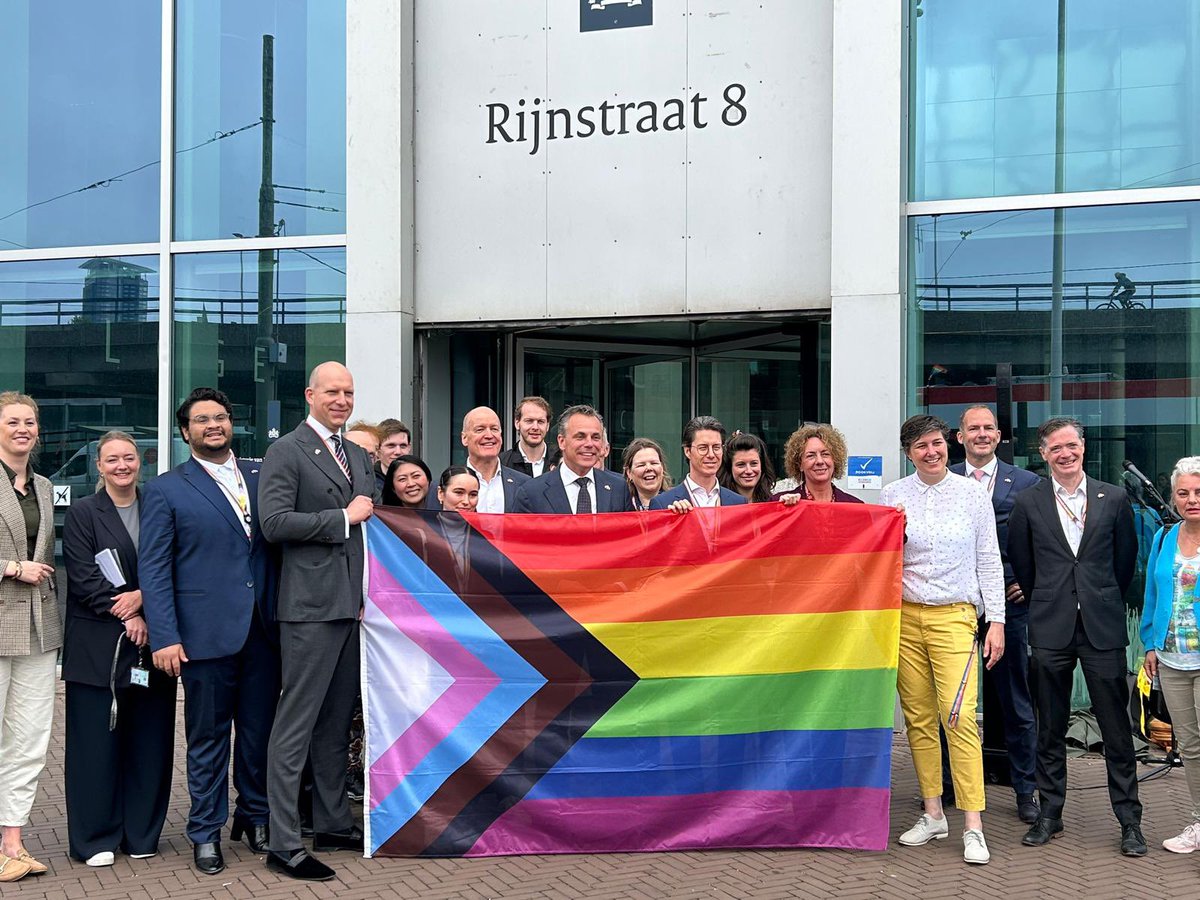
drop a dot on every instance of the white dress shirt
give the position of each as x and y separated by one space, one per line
233 486
536 466
325 434
491 490
989 473
951 554
699 496
569 478
1072 511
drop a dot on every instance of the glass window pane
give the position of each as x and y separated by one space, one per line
985 88
254 324
230 56
81 337
79 143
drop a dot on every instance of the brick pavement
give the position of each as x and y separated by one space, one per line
1083 864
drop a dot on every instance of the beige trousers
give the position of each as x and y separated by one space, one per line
26 716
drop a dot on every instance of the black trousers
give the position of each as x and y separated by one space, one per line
1105 672
221 695
118 783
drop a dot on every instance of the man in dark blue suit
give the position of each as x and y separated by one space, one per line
979 434
576 486
208 589
704 447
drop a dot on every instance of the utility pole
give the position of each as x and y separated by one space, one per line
1058 262
265 365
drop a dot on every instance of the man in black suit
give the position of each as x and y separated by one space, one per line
576 486
483 438
315 491
1073 549
979 434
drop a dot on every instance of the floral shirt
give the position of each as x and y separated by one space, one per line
1181 649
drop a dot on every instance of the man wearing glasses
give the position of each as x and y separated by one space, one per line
704 446
208 582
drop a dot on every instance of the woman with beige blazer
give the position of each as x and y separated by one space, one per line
30 629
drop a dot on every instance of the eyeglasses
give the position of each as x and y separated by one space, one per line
706 449
219 419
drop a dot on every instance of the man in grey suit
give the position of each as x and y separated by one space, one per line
577 485
315 491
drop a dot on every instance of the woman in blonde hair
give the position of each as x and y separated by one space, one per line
30 632
120 710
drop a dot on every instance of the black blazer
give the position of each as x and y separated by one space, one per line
92 524
512 459
1010 481
1057 582
546 494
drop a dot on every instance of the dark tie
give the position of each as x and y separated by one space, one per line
584 503
339 453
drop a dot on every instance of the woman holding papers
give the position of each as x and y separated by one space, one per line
30 634
120 710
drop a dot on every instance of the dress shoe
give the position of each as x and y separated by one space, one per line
255 835
927 829
209 860
1043 831
35 867
1028 810
298 864
1132 842
12 869
350 839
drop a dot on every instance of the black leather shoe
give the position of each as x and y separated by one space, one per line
1132 842
299 865
350 839
1028 810
1043 831
208 858
256 835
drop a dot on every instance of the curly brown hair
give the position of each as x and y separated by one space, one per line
793 450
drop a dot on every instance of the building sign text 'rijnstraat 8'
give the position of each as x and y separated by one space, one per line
532 122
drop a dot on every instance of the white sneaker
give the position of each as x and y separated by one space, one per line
1186 842
103 858
975 847
927 829
142 855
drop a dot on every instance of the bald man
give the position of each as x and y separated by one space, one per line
483 438
315 491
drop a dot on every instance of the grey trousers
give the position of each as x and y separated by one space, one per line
320 683
1181 690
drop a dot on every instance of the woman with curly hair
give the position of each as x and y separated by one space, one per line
814 456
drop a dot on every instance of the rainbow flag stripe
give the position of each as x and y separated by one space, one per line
630 682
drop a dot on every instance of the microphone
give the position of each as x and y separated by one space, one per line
1137 474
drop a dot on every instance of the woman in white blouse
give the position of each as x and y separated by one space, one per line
952 575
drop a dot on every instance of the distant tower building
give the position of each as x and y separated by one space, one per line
114 291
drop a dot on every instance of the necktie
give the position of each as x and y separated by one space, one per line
584 503
979 475
339 453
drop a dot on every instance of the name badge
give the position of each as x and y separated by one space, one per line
139 677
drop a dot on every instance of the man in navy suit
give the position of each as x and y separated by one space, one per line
483 438
208 583
979 434
704 446
576 486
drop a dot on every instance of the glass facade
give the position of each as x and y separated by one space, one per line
254 324
987 80
260 118
80 138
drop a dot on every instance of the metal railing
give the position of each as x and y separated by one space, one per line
1038 295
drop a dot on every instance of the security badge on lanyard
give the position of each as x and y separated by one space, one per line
241 498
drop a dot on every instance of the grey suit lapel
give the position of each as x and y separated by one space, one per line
319 454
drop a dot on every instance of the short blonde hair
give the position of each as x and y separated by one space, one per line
793 450
16 398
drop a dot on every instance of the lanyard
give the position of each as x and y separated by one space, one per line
1076 520
241 498
692 493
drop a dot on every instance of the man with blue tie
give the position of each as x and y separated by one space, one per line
576 486
979 434
208 582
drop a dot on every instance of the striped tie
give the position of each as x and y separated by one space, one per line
339 453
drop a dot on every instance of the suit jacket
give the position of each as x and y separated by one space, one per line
16 597
302 496
547 494
201 578
1057 582
680 492
512 459
92 632
510 478
1010 481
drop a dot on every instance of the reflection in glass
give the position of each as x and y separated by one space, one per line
79 133
270 72
80 336
985 97
254 324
